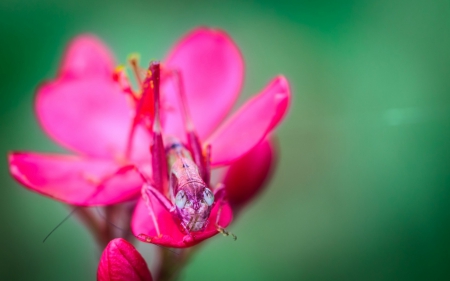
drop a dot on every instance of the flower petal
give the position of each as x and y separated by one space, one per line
171 235
87 56
120 261
247 127
89 116
212 69
247 175
75 180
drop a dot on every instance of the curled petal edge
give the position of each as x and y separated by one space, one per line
251 123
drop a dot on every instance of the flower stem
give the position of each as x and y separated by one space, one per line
95 226
173 261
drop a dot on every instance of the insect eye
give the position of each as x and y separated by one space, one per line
208 196
180 199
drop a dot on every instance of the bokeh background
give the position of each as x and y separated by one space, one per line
362 188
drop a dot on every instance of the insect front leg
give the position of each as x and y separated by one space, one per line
148 203
149 193
220 198
152 192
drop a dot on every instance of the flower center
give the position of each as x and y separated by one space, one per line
141 100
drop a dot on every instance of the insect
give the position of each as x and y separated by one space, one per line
180 172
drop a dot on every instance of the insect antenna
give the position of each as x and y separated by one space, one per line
59 224
173 251
100 185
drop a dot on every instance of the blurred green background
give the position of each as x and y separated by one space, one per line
362 187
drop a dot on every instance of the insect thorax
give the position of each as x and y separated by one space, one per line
192 198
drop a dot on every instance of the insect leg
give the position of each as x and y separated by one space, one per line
220 228
195 147
149 205
220 197
159 161
150 191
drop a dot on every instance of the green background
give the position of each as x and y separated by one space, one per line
361 191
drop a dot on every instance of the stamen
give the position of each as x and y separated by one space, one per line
144 109
121 77
133 60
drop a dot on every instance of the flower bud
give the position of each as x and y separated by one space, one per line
247 176
120 261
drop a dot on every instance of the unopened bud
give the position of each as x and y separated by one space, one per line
247 176
120 261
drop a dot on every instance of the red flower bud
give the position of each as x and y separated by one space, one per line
120 261
247 176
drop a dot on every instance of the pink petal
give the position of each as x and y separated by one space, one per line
120 261
213 70
247 175
89 116
171 235
247 127
75 180
87 56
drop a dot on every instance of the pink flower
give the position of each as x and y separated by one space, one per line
84 110
87 111
120 261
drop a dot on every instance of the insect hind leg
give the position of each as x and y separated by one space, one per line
200 156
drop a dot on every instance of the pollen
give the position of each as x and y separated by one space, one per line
144 237
119 68
134 57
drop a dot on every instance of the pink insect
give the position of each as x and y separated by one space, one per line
180 172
